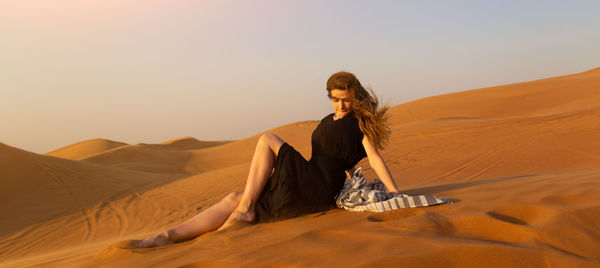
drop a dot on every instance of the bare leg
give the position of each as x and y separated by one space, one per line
235 206
261 169
208 220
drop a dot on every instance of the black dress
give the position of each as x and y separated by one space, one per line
298 186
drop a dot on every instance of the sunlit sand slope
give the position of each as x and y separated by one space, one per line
555 95
192 160
85 148
521 162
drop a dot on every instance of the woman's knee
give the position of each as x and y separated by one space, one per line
271 141
267 138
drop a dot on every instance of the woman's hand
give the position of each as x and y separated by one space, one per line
348 175
394 194
350 172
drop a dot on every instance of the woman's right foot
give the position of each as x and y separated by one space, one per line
238 216
161 239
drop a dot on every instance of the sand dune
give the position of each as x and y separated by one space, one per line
522 162
185 143
181 158
541 97
36 188
85 149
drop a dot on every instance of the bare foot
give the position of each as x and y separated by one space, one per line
238 216
158 240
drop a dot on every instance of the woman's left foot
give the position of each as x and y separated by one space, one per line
238 216
158 240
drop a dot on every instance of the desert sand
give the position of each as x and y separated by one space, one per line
521 161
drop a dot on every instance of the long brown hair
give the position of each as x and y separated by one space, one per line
372 120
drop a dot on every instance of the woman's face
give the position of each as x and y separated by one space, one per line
341 102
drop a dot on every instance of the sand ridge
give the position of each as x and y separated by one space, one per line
540 97
184 156
522 162
83 149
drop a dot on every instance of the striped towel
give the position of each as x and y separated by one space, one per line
360 195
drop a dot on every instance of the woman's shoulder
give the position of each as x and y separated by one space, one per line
348 121
328 117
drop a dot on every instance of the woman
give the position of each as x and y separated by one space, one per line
282 184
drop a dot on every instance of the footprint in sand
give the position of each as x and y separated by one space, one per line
505 218
522 214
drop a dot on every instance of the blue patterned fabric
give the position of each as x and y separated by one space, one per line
360 195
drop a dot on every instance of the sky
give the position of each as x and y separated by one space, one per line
145 71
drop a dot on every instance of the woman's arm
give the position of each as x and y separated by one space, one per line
377 163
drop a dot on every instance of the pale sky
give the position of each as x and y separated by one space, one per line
150 71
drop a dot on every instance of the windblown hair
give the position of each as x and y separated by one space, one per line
372 120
